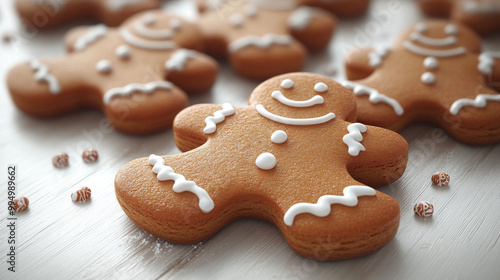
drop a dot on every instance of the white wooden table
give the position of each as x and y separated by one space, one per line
58 239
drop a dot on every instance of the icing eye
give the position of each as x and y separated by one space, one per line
320 87
451 29
287 83
175 24
420 27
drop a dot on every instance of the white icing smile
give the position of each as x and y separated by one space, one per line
278 95
417 37
436 53
284 120
130 38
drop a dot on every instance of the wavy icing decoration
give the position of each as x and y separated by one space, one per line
487 62
263 42
301 18
218 117
375 96
179 58
377 56
323 207
479 102
93 34
284 120
130 38
354 137
278 95
166 173
42 75
136 87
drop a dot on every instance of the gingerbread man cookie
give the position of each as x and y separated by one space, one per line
122 71
265 38
44 14
292 157
480 15
434 74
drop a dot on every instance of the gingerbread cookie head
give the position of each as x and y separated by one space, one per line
483 16
290 158
264 38
134 73
44 14
434 74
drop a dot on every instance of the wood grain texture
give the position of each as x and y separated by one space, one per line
59 239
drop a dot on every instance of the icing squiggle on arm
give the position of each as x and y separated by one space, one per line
324 205
377 56
301 18
263 42
278 95
218 117
309 121
178 60
42 75
131 88
353 139
375 96
166 173
487 62
480 102
94 33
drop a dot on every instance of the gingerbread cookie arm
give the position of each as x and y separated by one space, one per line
191 70
361 63
312 27
193 125
377 156
489 66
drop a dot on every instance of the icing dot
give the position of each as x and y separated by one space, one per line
451 29
104 66
123 52
428 78
287 83
149 19
421 27
431 63
279 137
266 161
251 10
236 20
175 24
320 87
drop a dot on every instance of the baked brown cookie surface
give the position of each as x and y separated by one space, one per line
435 73
136 74
292 157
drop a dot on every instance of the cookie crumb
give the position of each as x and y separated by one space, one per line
60 160
440 178
81 195
90 155
21 204
424 209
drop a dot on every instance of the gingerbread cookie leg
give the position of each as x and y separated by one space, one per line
258 162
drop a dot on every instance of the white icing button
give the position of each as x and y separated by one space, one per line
320 87
175 24
236 20
266 161
287 83
104 66
428 78
123 52
451 29
279 137
431 63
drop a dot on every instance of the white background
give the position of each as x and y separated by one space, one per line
59 239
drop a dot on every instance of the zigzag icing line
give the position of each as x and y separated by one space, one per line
95 32
323 207
375 96
136 87
166 173
218 117
354 137
480 102
263 42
